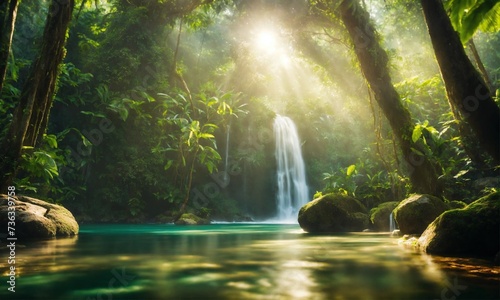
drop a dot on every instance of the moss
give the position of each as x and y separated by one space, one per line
456 204
191 219
333 213
379 216
472 231
415 213
40 219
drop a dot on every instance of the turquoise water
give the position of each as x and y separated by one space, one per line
238 261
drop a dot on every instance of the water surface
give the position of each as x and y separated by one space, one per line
239 261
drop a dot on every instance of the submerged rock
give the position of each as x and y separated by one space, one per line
191 219
415 213
35 218
333 213
471 231
379 216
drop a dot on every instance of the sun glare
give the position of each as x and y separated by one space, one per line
266 40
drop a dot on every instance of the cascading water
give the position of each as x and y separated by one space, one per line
392 223
291 175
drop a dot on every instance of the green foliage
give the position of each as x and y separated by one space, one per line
341 182
469 16
191 132
120 55
367 182
136 206
39 169
318 194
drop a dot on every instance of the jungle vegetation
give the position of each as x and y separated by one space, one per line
139 110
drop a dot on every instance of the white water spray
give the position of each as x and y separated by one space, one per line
292 187
392 223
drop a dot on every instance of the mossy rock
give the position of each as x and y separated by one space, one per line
38 219
191 219
456 204
473 231
333 213
416 212
379 216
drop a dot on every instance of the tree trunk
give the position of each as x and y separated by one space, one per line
8 21
466 90
479 64
31 114
373 62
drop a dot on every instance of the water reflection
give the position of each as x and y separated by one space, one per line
241 262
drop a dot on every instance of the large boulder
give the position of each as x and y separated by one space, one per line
333 213
191 219
415 213
379 216
35 218
471 231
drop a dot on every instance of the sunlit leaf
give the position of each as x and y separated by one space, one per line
206 136
85 141
417 133
51 140
467 16
350 170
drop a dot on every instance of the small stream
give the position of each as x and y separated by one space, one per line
238 261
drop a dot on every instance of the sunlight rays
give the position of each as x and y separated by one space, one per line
266 40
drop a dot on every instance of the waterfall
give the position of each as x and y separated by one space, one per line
291 176
392 223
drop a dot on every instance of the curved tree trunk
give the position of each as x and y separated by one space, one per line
8 21
467 91
373 62
31 114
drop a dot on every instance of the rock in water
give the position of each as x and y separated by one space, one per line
191 219
415 213
471 231
333 213
35 218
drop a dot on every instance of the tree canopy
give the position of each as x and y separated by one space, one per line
145 109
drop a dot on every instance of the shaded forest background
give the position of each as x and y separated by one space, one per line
162 106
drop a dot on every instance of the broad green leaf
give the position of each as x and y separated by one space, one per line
210 167
417 133
168 165
206 136
417 152
93 114
51 140
123 112
85 141
467 16
350 170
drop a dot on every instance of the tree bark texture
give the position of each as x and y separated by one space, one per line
374 66
466 89
32 112
8 21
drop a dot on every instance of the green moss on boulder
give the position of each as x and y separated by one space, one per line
379 216
333 213
416 212
471 231
456 204
191 219
38 219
